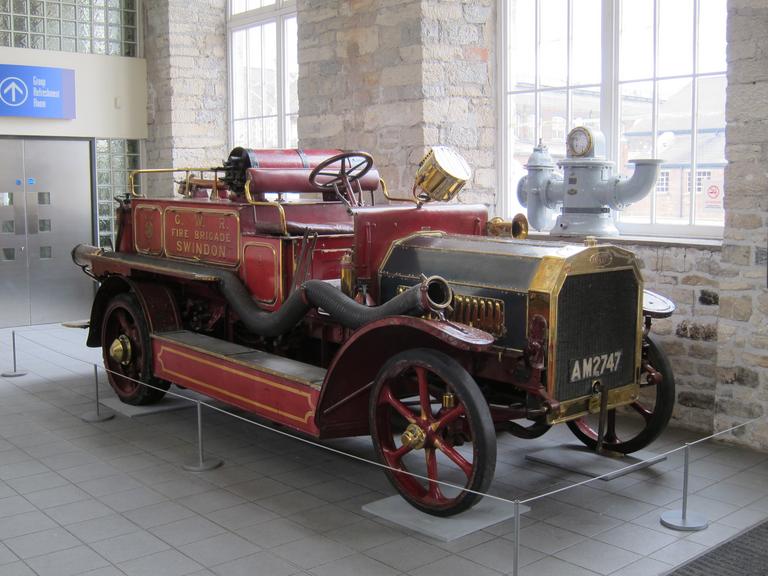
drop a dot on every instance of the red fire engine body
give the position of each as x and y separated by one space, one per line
416 322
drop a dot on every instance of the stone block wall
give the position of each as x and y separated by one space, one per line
689 276
185 44
394 77
459 87
360 83
742 360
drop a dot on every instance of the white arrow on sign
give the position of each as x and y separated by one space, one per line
13 91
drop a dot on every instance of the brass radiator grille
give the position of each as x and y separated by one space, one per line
479 312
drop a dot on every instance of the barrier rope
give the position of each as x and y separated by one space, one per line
307 441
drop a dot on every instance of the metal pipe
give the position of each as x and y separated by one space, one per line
603 415
432 294
16 371
96 385
686 465
516 558
626 192
200 457
13 344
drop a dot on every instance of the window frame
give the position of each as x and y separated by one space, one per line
278 13
506 201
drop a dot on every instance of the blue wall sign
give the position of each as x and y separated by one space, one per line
37 92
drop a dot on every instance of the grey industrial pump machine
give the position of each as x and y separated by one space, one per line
587 190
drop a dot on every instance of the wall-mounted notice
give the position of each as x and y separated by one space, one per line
37 92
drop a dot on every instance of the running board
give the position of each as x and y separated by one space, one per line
277 388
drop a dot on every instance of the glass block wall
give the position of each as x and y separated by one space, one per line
114 160
88 26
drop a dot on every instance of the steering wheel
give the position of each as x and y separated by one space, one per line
352 167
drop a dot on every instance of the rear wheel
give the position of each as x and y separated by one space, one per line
633 427
127 352
448 432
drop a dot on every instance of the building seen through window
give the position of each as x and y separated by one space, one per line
664 98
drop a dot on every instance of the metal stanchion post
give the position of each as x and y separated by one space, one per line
516 560
202 464
97 415
682 519
16 372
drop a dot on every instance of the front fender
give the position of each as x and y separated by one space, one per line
343 404
156 301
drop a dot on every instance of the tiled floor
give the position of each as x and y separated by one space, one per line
111 498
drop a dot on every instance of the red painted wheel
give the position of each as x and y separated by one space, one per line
428 417
632 428
127 352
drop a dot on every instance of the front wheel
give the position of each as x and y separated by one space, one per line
429 418
633 427
127 351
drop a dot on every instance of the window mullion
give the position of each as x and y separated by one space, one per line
609 78
655 108
694 113
568 52
536 74
281 78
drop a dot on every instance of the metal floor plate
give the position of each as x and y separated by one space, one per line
487 513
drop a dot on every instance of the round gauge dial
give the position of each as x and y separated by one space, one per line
580 141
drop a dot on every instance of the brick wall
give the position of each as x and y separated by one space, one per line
185 44
742 360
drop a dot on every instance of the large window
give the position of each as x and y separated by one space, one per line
649 73
264 72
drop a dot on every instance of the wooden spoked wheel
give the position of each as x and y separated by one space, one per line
633 427
127 352
429 418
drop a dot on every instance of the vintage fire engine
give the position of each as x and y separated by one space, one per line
281 289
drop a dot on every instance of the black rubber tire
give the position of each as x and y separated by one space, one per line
140 366
477 413
662 412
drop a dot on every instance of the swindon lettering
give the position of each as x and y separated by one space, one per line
207 236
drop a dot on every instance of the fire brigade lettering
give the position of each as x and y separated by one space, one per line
595 366
202 235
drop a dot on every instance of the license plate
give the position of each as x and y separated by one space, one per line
595 366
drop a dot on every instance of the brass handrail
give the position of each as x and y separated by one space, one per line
384 189
132 176
280 209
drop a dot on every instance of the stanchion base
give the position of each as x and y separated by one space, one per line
204 466
100 416
13 374
673 519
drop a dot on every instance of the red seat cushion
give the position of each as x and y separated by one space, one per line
297 180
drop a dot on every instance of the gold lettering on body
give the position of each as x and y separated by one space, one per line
206 236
